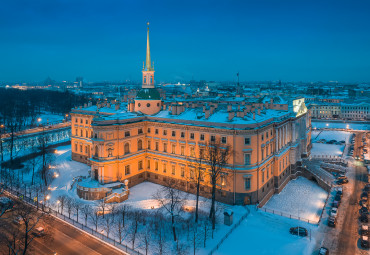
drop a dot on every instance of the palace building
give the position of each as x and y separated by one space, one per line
147 139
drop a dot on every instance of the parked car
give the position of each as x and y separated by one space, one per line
342 181
338 197
363 203
340 191
6 204
324 251
332 221
336 203
18 220
364 241
298 231
334 212
363 218
367 187
364 230
364 210
364 194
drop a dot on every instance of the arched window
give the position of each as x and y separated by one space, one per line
139 145
127 148
110 150
96 151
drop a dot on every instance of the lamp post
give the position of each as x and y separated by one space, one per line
2 129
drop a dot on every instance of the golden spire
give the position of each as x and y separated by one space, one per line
148 64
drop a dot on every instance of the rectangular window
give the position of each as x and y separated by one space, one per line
182 134
263 175
149 130
267 173
80 148
140 131
156 146
86 133
191 173
247 141
75 147
173 149
164 167
149 145
262 137
191 135
247 183
76 120
76 131
223 139
164 147
247 159
140 165
262 153
213 138
87 122
173 169
182 171
127 133
182 150
81 121
127 170
86 149
156 131
267 134
164 132
192 152
202 137
148 164
156 165
173 133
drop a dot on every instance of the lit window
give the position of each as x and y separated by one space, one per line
127 170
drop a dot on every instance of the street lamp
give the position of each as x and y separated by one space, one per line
2 129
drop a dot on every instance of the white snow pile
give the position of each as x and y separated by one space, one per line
331 135
301 198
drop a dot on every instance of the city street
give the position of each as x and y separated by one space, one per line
61 238
343 239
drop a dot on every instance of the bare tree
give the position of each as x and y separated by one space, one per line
145 238
198 175
76 207
62 200
133 230
195 237
86 209
172 200
109 218
69 204
217 156
94 216
102 205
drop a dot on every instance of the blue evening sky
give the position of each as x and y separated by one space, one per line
211 40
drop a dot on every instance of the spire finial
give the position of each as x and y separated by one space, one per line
148 64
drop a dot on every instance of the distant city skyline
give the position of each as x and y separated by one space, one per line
207 40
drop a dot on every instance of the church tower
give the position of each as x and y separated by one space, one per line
148 69
148 99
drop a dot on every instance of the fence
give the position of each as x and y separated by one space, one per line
290 216
42 207
230 231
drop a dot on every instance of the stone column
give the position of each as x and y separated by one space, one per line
276 140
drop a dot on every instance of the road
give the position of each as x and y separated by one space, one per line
61 238
344 238
38 129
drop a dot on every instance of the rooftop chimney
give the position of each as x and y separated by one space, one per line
229 107
117 105
231 116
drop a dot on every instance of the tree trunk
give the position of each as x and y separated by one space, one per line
173 228
197 202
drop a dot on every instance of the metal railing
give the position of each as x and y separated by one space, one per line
46 209
229 232
290 216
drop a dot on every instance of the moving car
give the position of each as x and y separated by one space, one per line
364 210
39 232
342 181
298 231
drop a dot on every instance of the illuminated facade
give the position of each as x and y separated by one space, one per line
147 140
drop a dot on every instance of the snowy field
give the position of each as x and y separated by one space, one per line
327 149
340 125
256 231
266 234
330 135
300 197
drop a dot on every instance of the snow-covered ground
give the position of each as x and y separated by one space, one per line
264 233
340 125
330 135
300 198
327 149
